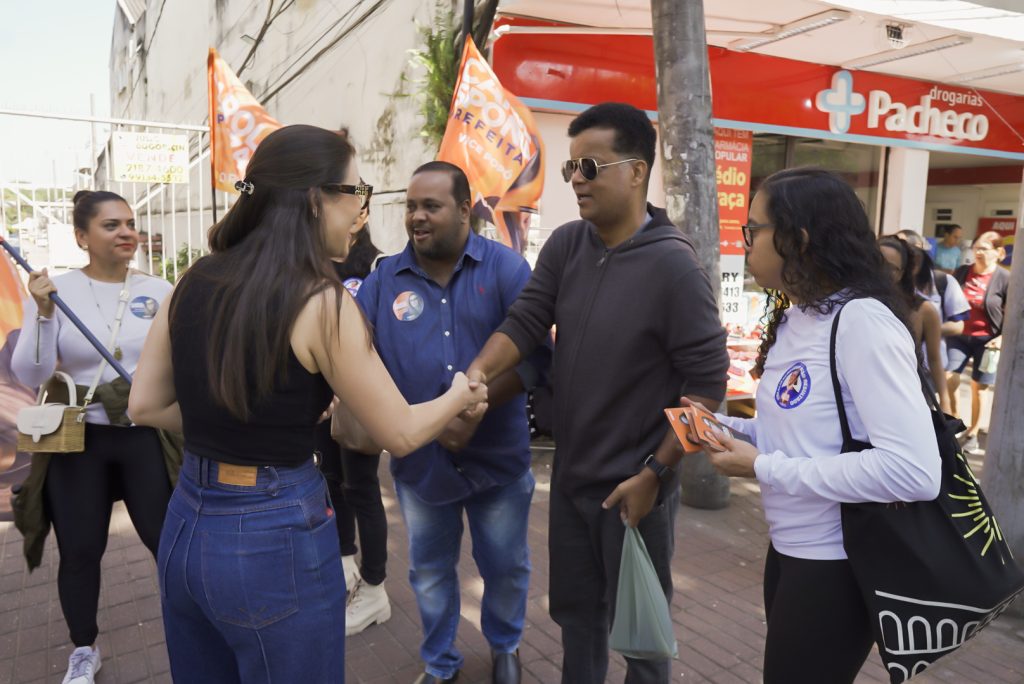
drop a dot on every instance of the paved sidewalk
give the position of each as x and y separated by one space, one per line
717 609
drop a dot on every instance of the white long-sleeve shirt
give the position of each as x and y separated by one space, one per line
59 343
802 473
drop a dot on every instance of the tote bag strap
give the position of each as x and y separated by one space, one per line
844 423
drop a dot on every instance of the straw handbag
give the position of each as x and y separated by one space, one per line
53 428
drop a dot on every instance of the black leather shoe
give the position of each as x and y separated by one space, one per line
427 678
507 668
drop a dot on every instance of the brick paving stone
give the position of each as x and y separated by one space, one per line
156 656
126 639
8 647
132 667
30 666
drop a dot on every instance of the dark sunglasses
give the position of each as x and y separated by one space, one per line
588 167
749 230
364 190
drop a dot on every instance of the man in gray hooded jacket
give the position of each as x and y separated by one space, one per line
637 326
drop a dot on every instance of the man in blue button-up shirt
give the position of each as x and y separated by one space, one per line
432 308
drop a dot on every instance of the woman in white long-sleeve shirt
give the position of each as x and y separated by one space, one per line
809 241
119 461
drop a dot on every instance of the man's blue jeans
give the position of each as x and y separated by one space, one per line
250 578
498 520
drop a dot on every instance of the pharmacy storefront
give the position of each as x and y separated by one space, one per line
920 155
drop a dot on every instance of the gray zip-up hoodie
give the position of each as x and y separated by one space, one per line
636 326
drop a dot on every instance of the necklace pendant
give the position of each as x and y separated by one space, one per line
118 355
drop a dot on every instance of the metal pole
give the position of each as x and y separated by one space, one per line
174 230
199 192
135 199
100 119
163 234
93 163
213 179
188 205
104 352
467 21
149 231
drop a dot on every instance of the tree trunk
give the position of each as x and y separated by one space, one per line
688 165
1002 476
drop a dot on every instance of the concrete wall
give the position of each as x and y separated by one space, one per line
969 203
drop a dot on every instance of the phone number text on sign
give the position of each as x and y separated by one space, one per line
150 158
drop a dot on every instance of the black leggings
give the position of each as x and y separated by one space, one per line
819 629
354 488
80 489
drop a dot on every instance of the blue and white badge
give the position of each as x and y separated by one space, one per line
794 387
353 285
144 307
407 306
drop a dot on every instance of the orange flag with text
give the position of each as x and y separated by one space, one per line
237 124
492 136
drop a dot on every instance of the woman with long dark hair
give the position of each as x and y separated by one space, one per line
925 324
258 337
120 460
809 243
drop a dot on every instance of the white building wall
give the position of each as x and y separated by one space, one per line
969 203
359 83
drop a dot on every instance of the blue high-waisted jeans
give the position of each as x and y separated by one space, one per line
250 577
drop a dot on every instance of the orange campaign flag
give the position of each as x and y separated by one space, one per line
492 136
237 124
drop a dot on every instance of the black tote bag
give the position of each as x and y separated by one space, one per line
932 573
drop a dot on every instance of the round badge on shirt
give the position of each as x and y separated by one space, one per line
144 307
407 306
794 387
353 285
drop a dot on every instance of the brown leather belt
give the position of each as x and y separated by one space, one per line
243 476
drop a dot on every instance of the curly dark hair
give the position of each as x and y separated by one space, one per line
828 249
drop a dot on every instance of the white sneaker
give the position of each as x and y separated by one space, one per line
368 604
83 665
971 447
351 570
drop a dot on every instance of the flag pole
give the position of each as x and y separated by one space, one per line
467 21
213 184
211 93
104 352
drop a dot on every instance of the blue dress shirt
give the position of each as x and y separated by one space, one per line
425 334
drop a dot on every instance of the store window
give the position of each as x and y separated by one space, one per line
858 164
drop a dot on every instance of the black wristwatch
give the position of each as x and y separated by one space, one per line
660 469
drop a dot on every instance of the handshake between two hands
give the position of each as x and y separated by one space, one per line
476 393
471 388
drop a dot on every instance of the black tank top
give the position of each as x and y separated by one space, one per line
279 430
